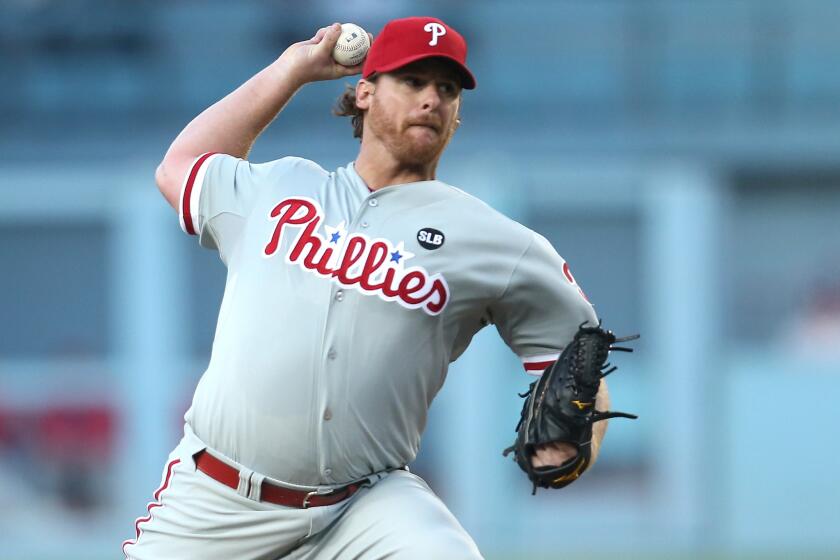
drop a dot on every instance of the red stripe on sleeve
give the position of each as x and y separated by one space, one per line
538 366
188 188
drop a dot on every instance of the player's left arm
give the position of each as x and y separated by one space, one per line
538 314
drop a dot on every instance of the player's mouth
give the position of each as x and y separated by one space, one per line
430 126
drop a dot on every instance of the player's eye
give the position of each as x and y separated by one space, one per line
448 90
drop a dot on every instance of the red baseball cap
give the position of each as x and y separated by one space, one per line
406 40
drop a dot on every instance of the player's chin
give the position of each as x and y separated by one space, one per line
420 157
422 136
425 143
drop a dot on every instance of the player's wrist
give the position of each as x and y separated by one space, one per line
288 71
553 454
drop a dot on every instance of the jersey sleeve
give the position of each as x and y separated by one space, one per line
541 308
218 194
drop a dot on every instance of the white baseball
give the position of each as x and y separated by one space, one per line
352 45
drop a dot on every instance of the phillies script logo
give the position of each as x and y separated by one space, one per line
371 266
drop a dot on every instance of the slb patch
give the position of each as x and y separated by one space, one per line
430 238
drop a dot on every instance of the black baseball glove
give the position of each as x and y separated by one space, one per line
560 407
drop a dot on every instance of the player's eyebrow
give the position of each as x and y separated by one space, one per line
429 75
424 68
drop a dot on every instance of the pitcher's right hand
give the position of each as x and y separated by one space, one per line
312 60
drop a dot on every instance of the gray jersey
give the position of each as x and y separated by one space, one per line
343 309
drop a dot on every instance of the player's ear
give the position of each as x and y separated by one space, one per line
364 89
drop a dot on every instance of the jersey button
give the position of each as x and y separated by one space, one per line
332 354
328 471
373 202
364 224
339 296
328 415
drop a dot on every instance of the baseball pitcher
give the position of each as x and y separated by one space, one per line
349 292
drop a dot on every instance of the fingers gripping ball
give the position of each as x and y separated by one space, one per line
560 407
352 45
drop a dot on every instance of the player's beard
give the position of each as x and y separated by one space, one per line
410 146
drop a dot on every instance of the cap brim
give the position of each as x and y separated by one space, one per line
467 78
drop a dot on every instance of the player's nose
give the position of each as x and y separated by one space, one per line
430 96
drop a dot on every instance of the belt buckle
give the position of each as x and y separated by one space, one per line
306 499
319 492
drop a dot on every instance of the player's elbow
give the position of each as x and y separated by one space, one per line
160 177
166 185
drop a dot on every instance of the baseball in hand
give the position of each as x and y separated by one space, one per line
352 45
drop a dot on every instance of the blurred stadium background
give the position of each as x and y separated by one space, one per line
684 156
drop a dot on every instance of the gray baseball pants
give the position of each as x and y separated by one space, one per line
193 516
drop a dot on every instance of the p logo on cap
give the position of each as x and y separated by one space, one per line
436 29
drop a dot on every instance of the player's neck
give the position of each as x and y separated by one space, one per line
378 168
